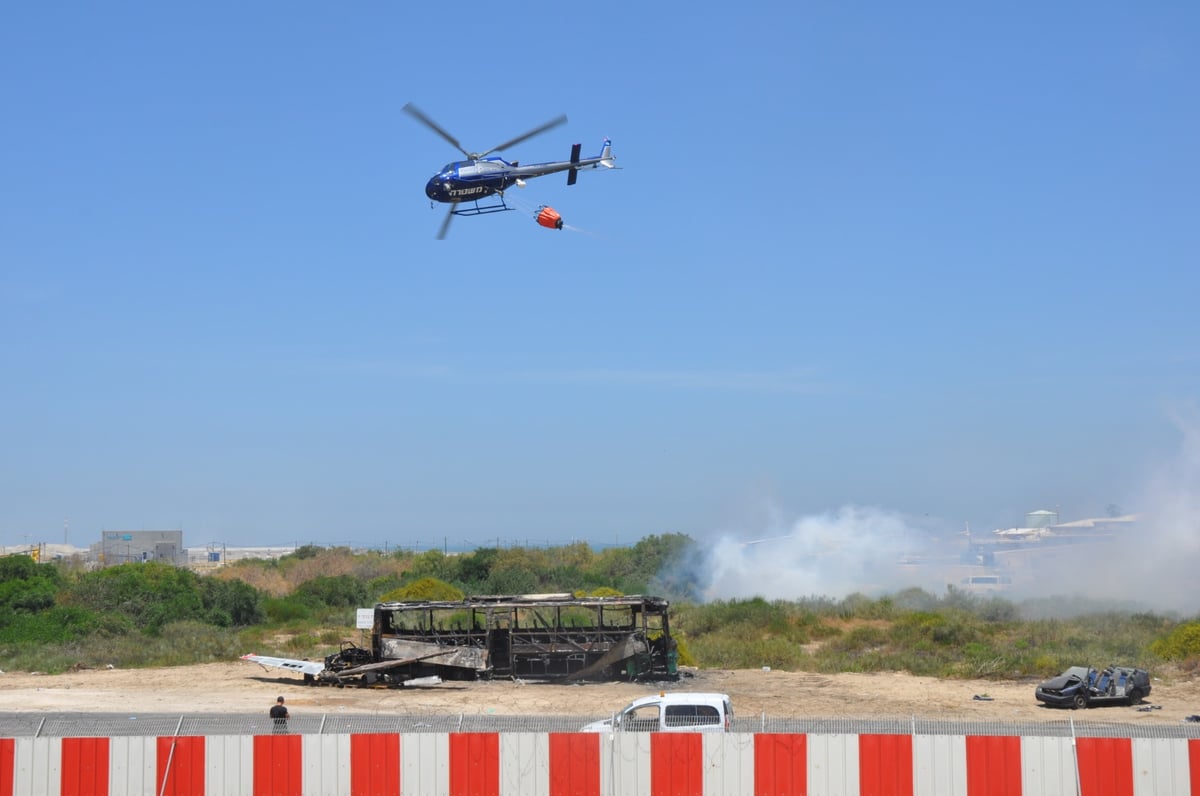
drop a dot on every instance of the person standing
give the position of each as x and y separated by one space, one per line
279 715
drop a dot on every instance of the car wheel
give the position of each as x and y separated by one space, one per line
1135 696
1079 701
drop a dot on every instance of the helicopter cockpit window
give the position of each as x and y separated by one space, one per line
448 170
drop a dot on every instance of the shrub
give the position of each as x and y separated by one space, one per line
511 580
435 564
424 589
383 584
150 594
602 591
859 606
301 643
475 568
27 586
1181 644
684 651
180 643
915 599
339 591
333 637
281 610
58 625
234 601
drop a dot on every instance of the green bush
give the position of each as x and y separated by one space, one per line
602 591
914 599
860 606
231 602
683 650
755 615
377 587
179 644
337 591
424 589
27 586
284 610
301 643
55 617
729 653
435 564
951 628
475 568
332 637
511 580
58 625
1181 644
150 594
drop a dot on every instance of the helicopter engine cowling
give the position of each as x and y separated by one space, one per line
548 217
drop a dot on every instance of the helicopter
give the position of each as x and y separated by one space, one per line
479 177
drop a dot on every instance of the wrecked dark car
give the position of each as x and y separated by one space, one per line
1081 686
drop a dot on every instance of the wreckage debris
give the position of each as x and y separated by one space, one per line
530 636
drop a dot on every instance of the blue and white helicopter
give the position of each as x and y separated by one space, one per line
464 183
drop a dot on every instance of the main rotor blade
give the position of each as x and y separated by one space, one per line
525 136
419 115
446 223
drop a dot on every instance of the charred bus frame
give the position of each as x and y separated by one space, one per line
533 636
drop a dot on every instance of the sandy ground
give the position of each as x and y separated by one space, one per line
242 687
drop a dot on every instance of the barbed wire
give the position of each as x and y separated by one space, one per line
75 725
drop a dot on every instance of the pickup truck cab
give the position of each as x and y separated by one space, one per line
663 712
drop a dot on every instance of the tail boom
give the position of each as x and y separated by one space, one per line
604 159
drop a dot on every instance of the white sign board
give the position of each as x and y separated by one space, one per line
366 618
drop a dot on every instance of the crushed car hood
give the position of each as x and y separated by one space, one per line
1060 682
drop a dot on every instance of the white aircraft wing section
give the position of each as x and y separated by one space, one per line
291 664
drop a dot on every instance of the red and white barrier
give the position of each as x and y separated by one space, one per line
585 764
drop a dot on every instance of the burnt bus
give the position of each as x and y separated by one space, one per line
530 636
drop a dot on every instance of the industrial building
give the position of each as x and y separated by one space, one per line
122 547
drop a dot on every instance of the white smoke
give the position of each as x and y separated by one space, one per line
850 550
1153 565
1160 562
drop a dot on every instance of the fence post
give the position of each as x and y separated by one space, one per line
170 757
1075 757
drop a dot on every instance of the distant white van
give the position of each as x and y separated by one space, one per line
985 583
663 712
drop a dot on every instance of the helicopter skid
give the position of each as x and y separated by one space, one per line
474 208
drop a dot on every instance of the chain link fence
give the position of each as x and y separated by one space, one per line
74 725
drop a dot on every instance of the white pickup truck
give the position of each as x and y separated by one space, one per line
663 712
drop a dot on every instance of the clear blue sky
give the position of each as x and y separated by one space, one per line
934 259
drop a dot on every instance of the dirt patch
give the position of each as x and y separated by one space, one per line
240 687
